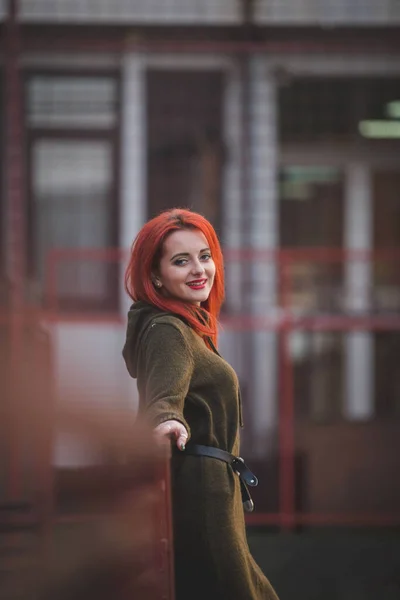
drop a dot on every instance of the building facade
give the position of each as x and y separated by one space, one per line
277 123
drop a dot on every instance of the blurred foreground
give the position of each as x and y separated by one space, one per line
106 532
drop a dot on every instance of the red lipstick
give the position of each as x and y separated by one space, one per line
197 284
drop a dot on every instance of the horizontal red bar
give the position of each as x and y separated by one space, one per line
279 519
88 318
320 254
58 254
345 519
238 323
69 42
318 323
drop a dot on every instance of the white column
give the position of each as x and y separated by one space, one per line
230 340
359 360
133 172
133 156
231 201
263 215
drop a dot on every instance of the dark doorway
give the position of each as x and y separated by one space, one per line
185 146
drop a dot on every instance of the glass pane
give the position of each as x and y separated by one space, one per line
387 374
185 144
72 181
337 109
318 374
166 12
311 216
386 289
386 189
80 102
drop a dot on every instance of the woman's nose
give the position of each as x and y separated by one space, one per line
198 268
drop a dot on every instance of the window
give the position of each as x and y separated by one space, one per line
3 224
311 199
72 102
73 132
386 232
320 119
386 289
311 216
332 109
185 146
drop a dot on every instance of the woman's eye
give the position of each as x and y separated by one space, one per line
205 256
179 262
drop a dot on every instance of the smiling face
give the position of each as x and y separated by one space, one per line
186 271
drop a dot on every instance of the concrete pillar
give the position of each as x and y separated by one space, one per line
263 235
72 451
230 340
231 199
133 200
359 360
133 157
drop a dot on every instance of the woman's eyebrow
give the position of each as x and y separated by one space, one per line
180 254
188 254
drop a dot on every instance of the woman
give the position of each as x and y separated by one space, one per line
191 395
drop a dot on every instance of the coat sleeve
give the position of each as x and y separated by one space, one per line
167 371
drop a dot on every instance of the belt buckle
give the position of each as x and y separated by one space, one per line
237 459
244 470
248 505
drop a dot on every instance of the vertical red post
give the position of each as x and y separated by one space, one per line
286 405
14 173
170 591
164 543
51 282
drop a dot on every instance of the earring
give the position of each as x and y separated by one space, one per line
158 284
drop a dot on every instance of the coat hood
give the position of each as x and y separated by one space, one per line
140 316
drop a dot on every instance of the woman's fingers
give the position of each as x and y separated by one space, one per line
164 429
182 439
174 430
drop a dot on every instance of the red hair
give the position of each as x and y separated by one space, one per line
144 260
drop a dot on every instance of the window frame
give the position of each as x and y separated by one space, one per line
110 135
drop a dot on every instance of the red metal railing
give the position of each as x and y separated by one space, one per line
284 322
15 218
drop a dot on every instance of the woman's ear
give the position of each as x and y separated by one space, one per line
156 281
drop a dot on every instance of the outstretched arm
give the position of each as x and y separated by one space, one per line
168 367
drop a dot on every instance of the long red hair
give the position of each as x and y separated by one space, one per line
144 260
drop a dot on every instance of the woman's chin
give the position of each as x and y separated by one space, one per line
197 298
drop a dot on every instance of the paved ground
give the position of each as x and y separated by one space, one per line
330 564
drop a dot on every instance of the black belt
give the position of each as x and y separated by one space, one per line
238 465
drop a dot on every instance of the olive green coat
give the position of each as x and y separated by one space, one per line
180 378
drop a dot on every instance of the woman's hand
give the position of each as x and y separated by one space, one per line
174 430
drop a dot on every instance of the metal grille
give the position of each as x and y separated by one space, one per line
319 12
140 11
275 12
71 102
